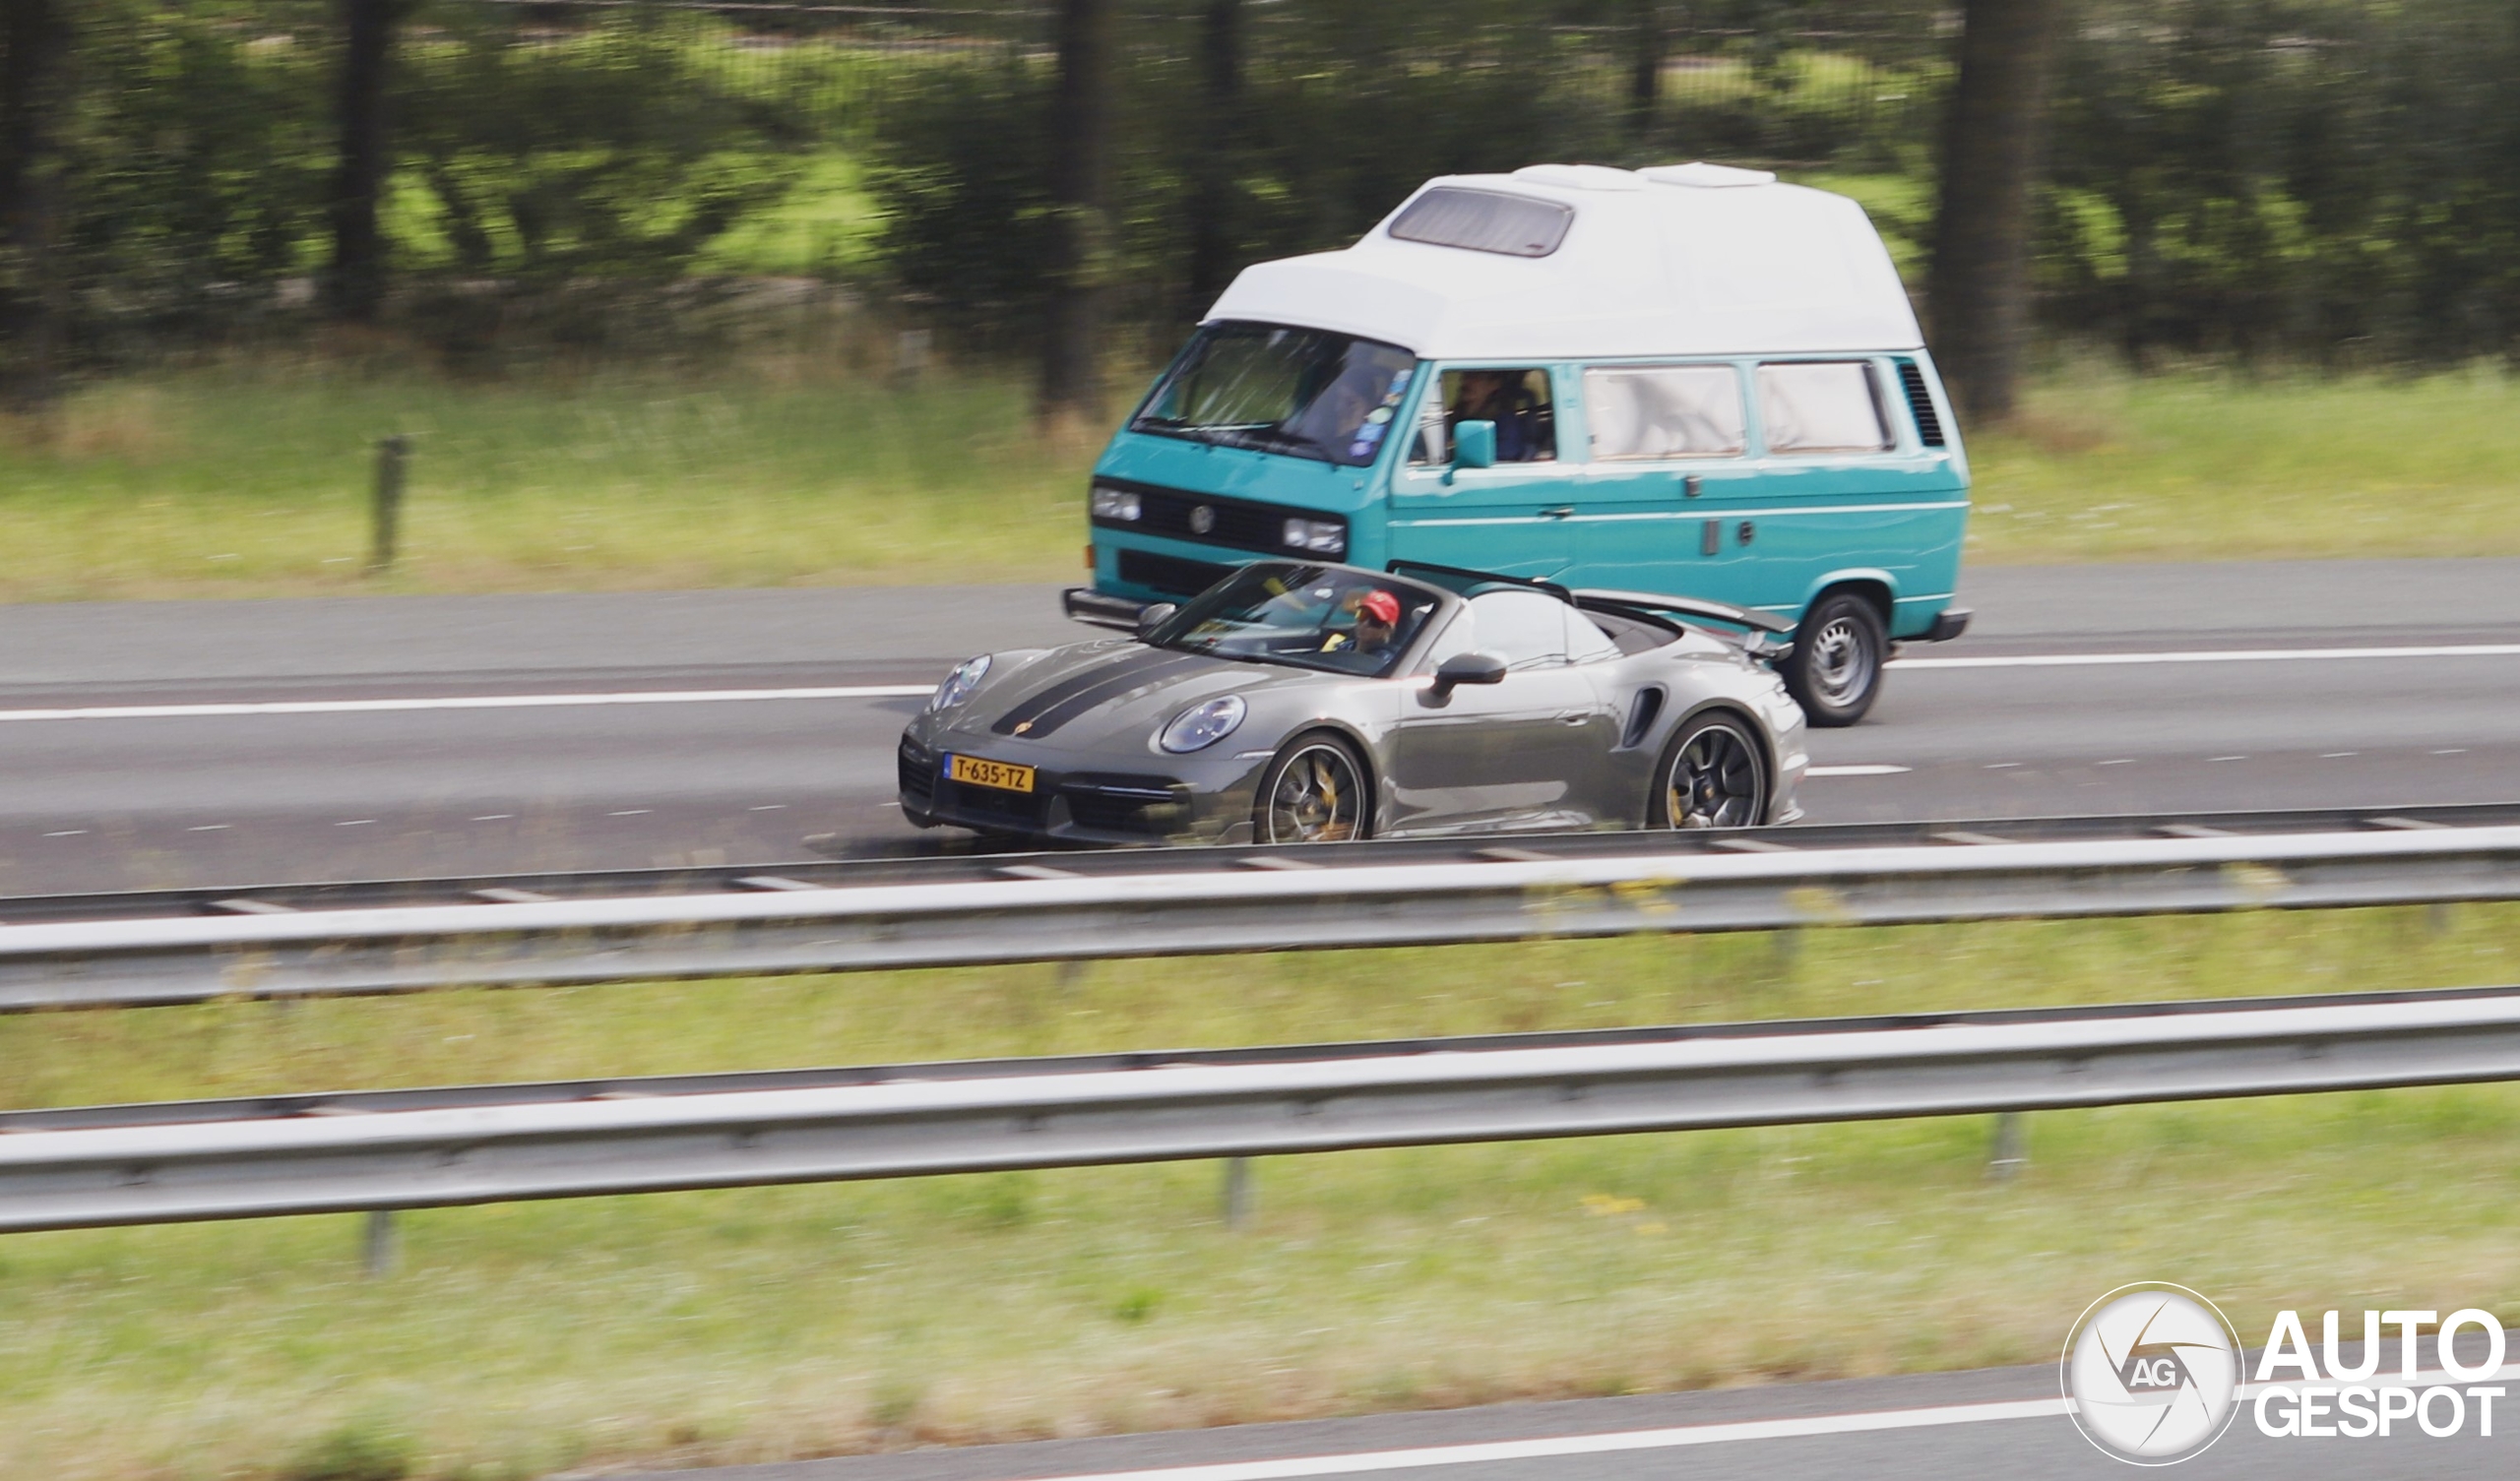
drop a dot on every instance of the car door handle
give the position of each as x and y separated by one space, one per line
1573 717
1559 511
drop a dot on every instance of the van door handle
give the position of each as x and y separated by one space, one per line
1557 511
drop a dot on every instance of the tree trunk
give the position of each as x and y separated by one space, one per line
1977 290
1080 223
1213 213
34 60
1645 77
355 285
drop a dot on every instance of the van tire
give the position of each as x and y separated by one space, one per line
1835 669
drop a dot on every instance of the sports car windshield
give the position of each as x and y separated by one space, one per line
1306 392
1310 616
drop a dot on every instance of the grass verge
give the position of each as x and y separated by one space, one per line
251 479
754 1324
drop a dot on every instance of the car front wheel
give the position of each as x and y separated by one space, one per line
1835 669
1714 775
1314 793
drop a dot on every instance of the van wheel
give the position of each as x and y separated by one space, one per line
1835 669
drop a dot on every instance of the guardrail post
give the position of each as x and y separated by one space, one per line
2011 1151
381 1244
391 455
1238 1192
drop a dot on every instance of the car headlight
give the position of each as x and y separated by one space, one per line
1201 725
959 684
1319 536
1108 503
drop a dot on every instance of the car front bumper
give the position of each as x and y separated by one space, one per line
1080 805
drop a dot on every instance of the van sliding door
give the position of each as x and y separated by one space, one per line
1668 473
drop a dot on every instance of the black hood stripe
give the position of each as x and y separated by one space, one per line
1039 715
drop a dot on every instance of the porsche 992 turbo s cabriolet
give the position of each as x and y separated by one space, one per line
1300 701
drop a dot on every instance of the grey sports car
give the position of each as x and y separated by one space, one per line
1312 703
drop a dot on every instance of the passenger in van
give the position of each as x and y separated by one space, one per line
1524 428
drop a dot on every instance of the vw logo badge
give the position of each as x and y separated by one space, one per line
1203 519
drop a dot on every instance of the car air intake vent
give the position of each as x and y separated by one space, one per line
1640 720
1928 426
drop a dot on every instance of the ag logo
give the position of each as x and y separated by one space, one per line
2152 1373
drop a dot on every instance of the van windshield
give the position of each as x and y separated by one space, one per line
1306 392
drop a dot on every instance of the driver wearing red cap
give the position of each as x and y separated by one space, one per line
1377 618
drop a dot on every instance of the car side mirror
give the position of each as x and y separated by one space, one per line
1153 616
1468 669
1474 445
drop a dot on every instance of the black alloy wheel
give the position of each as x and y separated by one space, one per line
1314 793
1714 775
1835 669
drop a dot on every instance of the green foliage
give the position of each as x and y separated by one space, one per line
607 152
197 152
2303 178
1342 112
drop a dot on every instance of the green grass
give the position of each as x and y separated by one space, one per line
2105 466
761 1324
253 480
250 479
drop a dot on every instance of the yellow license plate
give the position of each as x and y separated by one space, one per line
1003 775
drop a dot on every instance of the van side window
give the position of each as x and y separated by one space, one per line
1516 401
1822 407
1664 411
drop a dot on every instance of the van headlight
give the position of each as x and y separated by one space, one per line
959 684
1203 725
1318 536
1108 503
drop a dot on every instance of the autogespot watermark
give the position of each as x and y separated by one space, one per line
2153 1375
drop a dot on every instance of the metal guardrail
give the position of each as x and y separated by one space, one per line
1285 903
395 1149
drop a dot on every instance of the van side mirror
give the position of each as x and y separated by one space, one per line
1468 669
1153 616
1475 445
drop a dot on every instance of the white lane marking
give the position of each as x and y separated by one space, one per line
2453 751
472 702
768 807
354 823
2226 757
206 828
1858 770
68 833
2337 755
2122 760
631 812
493 817
1587 1445
2216 656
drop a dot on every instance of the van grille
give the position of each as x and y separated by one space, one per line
1912 379
1170 573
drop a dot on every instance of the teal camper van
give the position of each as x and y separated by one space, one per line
1690 380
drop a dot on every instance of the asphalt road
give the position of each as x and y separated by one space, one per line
2001 1421
314 778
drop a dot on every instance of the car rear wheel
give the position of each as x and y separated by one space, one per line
1314 793
1714 775
1835 669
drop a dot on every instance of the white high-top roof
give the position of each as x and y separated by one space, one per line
1676 260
